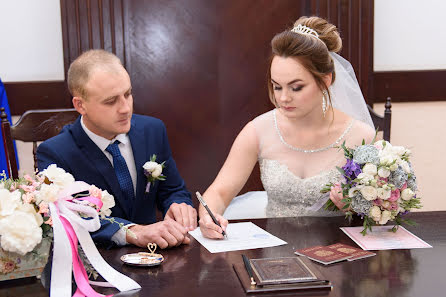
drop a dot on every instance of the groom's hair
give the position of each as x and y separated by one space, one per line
82 67
311 51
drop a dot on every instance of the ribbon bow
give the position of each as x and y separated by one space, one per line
69 228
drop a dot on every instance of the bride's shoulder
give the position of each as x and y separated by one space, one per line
359 130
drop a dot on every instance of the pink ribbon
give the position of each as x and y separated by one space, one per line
80 275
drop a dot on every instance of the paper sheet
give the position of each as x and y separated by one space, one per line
381 239
241 236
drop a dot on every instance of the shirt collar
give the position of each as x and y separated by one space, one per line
100 141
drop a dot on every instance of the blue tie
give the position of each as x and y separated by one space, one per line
121 170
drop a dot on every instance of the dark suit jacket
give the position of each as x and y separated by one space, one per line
77 154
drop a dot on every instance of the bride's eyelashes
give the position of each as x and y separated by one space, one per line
295 89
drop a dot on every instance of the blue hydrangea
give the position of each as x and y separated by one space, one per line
360 205
366 154
398 177
412 182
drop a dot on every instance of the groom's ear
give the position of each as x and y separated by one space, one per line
328 79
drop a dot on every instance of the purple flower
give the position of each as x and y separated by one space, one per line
351 169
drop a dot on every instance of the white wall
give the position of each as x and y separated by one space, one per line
31 41
409 35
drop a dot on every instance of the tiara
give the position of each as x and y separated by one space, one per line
301 29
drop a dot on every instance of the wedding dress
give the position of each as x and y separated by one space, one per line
289 194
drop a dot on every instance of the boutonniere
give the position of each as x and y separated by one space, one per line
153 171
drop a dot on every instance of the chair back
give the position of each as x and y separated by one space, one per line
33 126
383 123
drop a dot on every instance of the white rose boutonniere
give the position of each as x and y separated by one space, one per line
153 171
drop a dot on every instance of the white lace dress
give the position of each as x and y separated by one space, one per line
290 195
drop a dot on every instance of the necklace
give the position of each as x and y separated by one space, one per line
314 150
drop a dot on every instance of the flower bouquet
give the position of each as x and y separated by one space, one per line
379 185
52 206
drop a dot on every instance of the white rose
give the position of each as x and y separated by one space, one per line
364 178
385 216
393 167
108 201
383 172
375 213
150 166
369 193
58 176
379 144
383 193
398 150
407 194
352 192
9 201
157 171
47 193
405 166
369 169
386 159
29 208
20 233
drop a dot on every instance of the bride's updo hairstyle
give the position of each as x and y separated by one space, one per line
312 50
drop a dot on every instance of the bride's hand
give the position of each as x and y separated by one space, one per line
211 230
336 196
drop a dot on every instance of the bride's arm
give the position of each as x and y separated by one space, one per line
230 180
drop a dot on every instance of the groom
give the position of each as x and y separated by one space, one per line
108 145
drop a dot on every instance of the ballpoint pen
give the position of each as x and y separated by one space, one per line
248 269
209 212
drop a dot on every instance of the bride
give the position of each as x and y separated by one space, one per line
318 107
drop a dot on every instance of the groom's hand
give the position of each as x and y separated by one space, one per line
184 214
167 233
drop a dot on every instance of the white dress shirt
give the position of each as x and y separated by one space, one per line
127 153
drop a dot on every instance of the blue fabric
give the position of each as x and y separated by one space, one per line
4 103
121 170
75 152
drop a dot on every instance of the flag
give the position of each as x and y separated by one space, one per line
4 103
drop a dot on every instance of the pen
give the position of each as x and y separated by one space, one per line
248 269
209 212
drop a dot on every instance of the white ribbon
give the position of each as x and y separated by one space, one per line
62 257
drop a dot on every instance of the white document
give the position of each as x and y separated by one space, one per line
241 236
382 238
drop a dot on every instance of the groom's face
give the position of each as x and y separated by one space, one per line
108 108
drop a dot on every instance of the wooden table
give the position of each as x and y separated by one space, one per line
191 270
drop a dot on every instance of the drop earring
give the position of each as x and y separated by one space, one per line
324 102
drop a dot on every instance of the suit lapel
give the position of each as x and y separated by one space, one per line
101 163
136 134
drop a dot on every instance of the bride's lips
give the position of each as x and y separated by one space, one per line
288 108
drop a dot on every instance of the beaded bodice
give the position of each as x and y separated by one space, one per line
290 195
292 177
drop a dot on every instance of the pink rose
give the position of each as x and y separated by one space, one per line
394 206
27 188
28 198
43 207
394 195
28 178
377 202
8 267
95 191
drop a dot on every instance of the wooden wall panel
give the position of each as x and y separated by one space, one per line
200 65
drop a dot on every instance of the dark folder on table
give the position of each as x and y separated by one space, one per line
280 274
